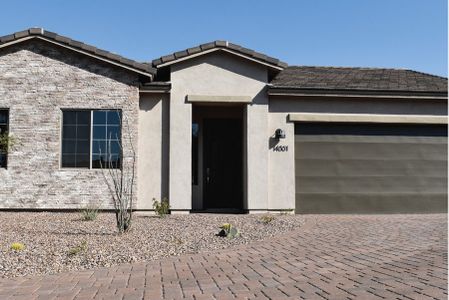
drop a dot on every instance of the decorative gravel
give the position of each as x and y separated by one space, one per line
50 237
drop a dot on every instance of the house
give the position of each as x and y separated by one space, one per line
218 127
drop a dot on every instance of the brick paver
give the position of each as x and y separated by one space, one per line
331 257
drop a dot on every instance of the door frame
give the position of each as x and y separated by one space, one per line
223 111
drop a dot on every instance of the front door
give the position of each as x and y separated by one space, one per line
223 168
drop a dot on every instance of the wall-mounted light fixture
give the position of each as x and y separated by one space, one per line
279 134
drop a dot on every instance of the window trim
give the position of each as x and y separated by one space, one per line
90 138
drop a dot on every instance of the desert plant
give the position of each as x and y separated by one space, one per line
77 249
266 219
7 141
17 246
89 213
161 208
120 179
229 231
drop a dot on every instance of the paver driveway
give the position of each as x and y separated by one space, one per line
331 257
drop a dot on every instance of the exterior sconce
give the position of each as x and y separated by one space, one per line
279 134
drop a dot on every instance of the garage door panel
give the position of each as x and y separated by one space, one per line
366 150
370 184
372 203
362 168
373 167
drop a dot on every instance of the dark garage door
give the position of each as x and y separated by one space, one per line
370 168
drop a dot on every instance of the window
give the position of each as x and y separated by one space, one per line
106 139
195 134
91 139
76 139
3 131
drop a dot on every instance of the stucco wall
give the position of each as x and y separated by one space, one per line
37 81
153 149
218 74
282 164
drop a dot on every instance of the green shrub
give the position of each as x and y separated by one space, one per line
89 213
78 249
161 208
17 246
267 219
229 231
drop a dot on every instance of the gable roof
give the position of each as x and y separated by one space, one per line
217 46
141 68
358 79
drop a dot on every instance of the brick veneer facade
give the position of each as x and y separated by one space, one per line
37 81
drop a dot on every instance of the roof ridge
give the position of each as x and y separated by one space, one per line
367 68
349 67
219 44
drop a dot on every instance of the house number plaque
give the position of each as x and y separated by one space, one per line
280 148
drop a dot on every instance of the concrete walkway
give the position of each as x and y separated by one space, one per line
331 257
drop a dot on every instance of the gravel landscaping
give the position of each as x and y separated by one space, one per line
57 242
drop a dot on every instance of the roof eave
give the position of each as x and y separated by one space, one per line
39 33
203 49
354 93
172 62
155 87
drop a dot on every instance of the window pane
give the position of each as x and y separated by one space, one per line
3 130
68 147
83 132
68 161
82 161
99 132
99 117
99 147
2 160
83 118
69 132
114 117
96 161
115 148
75 139
105 135
195 132
83 147
69 118
113 132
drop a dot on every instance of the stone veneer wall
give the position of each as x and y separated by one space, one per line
37 80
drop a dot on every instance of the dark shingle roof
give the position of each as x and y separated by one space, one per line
220 45
40 32
361 79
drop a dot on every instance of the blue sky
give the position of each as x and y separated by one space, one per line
372 33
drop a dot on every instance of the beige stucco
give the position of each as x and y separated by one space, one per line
282 164
152 149
219 74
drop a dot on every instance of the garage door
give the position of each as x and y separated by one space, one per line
370 168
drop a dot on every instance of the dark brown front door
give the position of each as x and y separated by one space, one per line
223 179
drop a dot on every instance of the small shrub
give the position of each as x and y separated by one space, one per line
8 141
89 213
177 241
161 208
267 219
17 246
78 249
229 231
